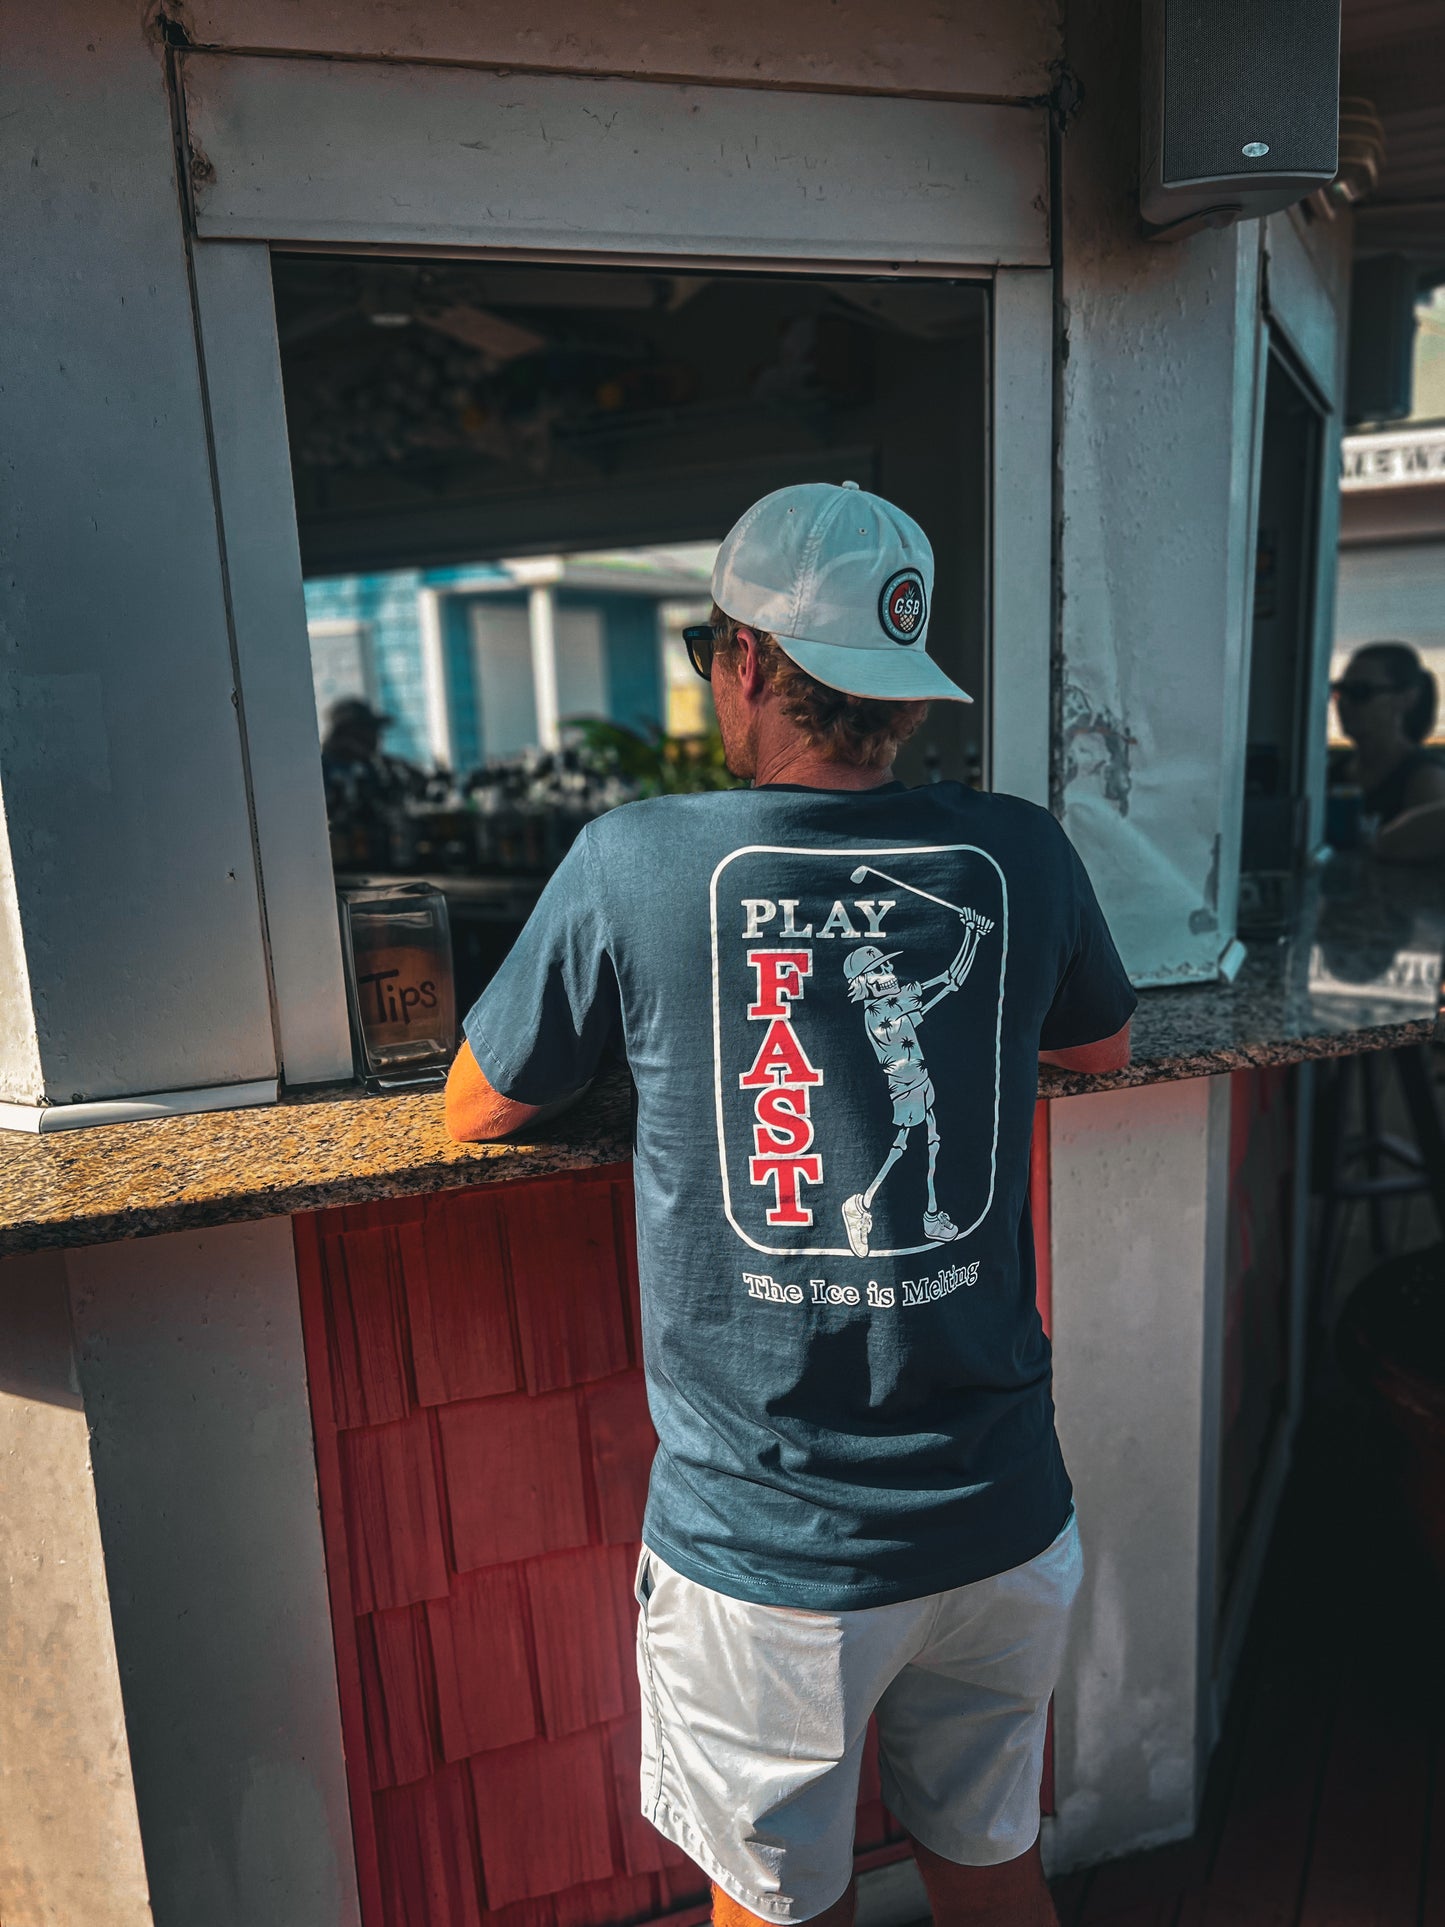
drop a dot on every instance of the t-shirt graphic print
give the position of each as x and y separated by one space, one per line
857 1039
831 1004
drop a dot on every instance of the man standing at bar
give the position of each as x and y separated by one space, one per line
858 1504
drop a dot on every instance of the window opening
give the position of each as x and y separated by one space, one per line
1283 614
511 480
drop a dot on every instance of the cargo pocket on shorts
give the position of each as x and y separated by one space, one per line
652 1746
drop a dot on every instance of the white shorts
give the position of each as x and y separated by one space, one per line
754 1719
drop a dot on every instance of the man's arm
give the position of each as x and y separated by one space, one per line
475 1112
1109 1054
976 928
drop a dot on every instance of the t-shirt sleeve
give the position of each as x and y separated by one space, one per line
540 1028
1094 998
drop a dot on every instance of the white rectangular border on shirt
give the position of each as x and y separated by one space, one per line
890 850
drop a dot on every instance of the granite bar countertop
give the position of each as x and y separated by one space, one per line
1356 967
1358 970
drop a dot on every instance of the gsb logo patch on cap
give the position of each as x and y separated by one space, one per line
903 606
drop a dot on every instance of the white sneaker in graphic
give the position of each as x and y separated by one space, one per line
857 1222
936 1224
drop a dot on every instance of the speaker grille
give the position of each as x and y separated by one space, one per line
1242 73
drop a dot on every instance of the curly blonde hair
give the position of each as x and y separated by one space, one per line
850 729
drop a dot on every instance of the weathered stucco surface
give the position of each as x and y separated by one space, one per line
1157 386
993 50
120 752
1137 1207
189 1355
70 1848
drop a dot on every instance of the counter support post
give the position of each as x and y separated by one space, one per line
1139 1209
70 1843
190 1361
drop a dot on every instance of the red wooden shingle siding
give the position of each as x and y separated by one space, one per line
483 1447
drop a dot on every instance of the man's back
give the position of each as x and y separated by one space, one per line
832 1003
832 992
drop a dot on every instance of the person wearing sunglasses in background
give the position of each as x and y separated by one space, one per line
858 1505
1386 703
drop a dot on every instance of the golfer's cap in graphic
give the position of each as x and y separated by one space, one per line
866 957
844 581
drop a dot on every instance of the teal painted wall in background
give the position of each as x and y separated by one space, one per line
634 658
388 605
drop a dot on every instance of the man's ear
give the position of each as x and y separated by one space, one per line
750 672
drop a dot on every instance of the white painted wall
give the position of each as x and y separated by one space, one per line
1158 444
1162 409
167 1674
241 365
289 151
985 48
190 1363
70 1844
135 888
1157 458
1160 394
1138 1209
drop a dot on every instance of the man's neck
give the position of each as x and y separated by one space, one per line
810 770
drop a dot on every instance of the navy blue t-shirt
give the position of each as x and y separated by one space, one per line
832 1004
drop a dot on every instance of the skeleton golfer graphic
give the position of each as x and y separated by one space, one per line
892 1013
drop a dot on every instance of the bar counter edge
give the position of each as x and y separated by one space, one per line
338 1146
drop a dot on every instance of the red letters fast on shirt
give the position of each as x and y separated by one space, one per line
782 1076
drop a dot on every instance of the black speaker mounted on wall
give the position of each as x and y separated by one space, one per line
1240 108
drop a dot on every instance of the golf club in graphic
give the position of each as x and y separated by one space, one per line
867 870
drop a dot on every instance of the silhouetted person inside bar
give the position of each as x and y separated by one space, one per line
1386 703
352 756
365 786
858 1505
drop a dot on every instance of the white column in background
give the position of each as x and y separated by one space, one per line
434 673
542 621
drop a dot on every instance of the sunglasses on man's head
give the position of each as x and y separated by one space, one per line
702 640
1354 690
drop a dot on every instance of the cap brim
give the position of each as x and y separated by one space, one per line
902 676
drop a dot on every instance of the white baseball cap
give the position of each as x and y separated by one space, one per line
843 582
